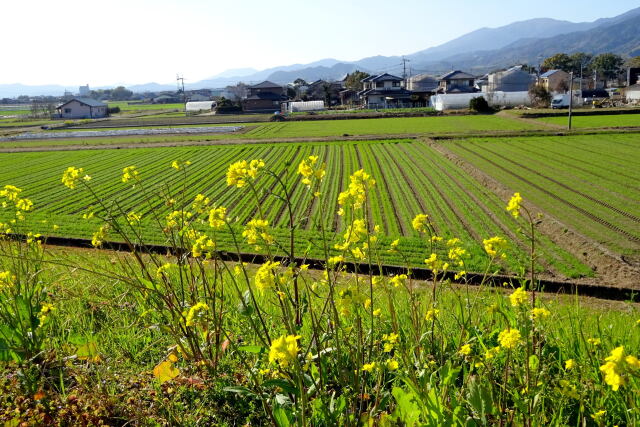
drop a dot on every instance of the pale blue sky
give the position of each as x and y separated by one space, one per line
73 42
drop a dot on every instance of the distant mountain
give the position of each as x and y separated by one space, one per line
617 36
311 74
17 89
151 87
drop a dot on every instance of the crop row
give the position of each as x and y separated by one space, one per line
588 182
411 178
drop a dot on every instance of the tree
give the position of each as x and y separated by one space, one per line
540 96
580 62
479 105
239 91
633 62
607 65
121 94
300 82
559 61
354 80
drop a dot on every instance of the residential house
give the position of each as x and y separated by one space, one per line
327 91
422 87
555 81
384 91
514 79
82 108
264 97
456 82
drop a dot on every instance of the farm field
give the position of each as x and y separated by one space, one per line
458 205
603 121
589 182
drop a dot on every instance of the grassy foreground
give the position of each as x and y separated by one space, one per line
101 338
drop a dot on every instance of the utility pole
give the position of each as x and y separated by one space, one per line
404 70
180 79
570 97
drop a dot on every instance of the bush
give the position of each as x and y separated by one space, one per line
228 109
540 96
480 105
113 110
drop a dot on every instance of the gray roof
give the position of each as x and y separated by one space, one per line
86 101
457 74
549 73
381 78
266 85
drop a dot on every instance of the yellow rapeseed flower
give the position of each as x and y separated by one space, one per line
200 203
130 173
71 176
355 195
539 313
217 217
613 368
509 338
257 231
398 280
421 223
284 350
239 172
598 416
196 313
519 297
465 350
369 367
10 192
491 353
392 364
265 276
594 341
569 364
514 205
432 314
495 246
24 205
203 245
133 218
99 236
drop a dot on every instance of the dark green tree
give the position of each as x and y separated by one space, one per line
559 61
121 94
354 80
580 61
607 65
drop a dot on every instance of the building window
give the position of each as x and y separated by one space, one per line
379 84
67 110
470 82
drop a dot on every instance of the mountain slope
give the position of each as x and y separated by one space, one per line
621 37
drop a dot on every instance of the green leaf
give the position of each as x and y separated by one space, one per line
283 384
87 351
258 349
280 415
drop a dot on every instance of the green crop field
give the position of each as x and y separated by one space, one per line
408 125
604 121
411 176
589 182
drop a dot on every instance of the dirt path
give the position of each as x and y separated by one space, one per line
611 269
